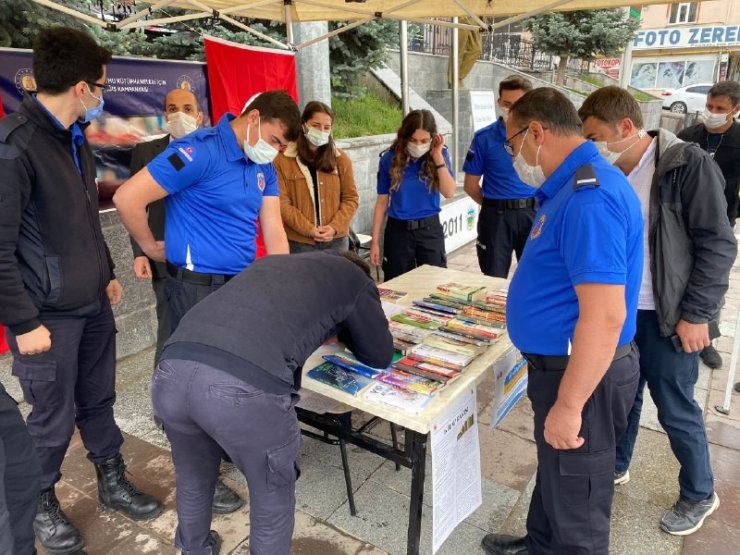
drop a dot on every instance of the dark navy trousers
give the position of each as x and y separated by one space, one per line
74 383
206 412
501 232
405 249
20 475
572 498
670 377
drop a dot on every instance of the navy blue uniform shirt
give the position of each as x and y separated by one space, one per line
589 235
488 158
215 195
413 200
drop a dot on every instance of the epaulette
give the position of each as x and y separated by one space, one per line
9 124
585 178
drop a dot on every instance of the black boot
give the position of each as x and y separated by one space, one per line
115 492
55 532
502 544
225 499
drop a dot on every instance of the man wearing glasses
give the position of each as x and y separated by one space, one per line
216 183
56 289
571 311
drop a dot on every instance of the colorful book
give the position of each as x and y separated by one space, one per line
436 307
473 329
462 292
396 397
402 346
417 319
452 345
390 294
482 314
426 369
339 378
352 364
444 301
409 382
408 333
441 357
462 337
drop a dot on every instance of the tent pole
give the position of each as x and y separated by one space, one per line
404 67
289 21
333 33
74 13
455 97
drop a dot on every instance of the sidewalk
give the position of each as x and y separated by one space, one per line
323 523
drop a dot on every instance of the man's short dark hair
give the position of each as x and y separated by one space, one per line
195 98
514 83
730 89
550 107
278 105
62 57
357 261
611 105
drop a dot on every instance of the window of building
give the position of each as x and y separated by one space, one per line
684 12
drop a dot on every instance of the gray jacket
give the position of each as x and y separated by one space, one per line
692 246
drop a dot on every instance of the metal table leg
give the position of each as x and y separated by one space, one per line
416 449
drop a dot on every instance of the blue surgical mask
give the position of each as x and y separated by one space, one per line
262 152
93 113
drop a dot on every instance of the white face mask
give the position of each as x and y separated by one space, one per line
612 156
262 152
180 124
531 175
714 121
317 138
417 151
504 112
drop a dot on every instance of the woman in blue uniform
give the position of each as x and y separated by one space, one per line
411 176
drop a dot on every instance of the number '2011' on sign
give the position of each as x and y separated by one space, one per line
452 226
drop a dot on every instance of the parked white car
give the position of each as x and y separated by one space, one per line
689 99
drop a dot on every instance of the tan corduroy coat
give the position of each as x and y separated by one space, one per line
338 196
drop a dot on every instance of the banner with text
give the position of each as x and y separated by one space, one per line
701 36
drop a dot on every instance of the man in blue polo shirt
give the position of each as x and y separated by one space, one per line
217 182
572 309
508 203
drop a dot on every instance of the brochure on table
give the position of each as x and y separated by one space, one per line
456 470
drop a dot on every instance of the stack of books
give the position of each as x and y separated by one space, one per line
436 339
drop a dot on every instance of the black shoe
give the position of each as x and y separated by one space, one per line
711 358
225 499
687 516
502 544
214 542
737 387
158 423
55 532
115 492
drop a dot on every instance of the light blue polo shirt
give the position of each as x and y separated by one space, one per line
215 195
413 200
488 158
589 235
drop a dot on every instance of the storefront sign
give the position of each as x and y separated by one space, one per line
682 37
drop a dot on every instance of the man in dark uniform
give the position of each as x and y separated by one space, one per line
719 135
507 203
184 116
571 311
56 279
20 476
230 375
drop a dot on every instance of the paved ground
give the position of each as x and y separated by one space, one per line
323 523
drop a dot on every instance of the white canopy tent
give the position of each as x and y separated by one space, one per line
359 12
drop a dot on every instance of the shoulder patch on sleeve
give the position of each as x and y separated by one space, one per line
585 178
176 161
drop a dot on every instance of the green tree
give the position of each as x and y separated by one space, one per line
582 34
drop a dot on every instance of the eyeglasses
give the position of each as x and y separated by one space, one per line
508 145
99 85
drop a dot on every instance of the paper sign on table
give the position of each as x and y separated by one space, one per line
456 472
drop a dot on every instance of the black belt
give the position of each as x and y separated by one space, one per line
411 225
197 278
553 363
509 203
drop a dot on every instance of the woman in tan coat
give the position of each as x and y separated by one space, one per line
318 196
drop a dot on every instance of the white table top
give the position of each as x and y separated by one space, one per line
418 284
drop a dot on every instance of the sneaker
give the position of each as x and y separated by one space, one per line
737 387
687 516
621 477
711 358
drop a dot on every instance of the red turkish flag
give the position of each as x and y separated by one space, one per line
237 72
